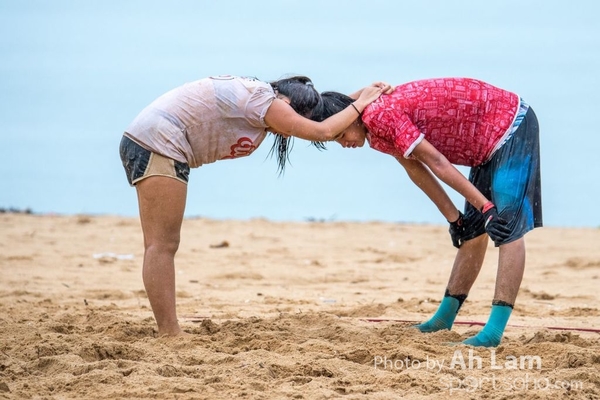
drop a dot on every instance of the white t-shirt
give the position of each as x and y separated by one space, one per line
204 121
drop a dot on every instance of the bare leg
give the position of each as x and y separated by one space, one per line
162 203
467 265
511 266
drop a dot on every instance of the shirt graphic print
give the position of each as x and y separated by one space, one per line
462 118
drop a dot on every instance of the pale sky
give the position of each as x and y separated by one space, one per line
74 74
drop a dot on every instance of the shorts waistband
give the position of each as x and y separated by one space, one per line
521 112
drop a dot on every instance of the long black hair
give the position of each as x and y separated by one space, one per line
305 100
331 103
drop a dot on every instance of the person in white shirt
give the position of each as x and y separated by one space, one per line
200 122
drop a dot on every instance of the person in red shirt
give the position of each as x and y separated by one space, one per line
431 125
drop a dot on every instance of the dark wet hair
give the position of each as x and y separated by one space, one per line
331 103
305 100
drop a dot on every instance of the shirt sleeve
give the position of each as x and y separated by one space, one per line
396 128
259 102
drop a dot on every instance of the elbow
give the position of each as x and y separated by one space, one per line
433 159
439 162
438 165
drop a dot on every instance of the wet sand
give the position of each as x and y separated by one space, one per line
286 311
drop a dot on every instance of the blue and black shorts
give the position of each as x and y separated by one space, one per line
511 179
140 163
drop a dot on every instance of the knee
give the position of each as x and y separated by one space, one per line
164 244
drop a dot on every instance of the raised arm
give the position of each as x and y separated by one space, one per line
281 118
386 88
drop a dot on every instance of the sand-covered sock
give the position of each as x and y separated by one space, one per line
491 334
445 314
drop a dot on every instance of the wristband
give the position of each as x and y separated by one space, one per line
487 206
353 106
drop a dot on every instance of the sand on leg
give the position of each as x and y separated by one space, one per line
162 204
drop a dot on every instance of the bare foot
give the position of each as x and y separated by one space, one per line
176 331
180 334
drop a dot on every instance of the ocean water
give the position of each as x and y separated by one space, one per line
73 75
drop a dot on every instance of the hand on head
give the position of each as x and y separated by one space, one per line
368 95
385 87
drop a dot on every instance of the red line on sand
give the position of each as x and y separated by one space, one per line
471 323
200 318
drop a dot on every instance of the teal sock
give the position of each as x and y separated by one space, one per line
445 314
491 334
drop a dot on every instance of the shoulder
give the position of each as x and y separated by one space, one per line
248 82
242 89
386 108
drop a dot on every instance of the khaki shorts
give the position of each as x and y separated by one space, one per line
140 163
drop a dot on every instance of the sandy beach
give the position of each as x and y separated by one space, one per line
305 310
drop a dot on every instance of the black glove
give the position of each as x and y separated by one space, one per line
457 230
495 226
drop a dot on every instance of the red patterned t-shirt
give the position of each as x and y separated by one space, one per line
462 118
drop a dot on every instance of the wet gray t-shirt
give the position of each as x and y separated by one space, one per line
204 121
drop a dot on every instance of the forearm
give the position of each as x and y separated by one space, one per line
356 94
440 198
337 123
282 119
330 128
421 176
447 173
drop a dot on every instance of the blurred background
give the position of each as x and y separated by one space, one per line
74 74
